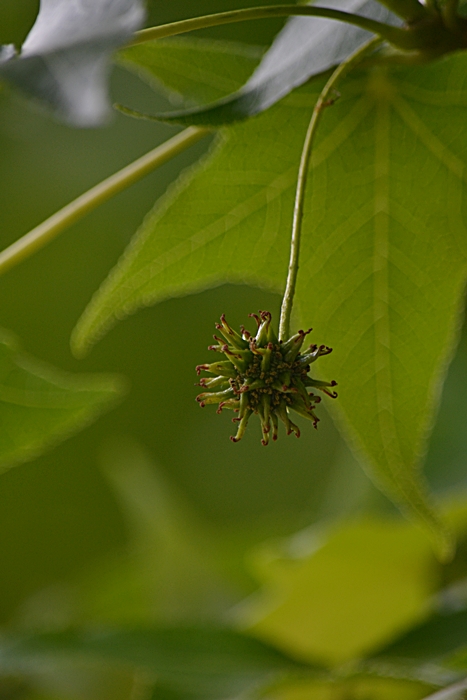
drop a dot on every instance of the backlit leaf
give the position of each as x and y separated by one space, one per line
384 252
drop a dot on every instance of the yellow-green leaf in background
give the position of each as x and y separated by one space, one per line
335 597
353 689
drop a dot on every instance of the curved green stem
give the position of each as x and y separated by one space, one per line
62 219
402 38
323 101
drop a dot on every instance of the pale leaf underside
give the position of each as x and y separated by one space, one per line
65 60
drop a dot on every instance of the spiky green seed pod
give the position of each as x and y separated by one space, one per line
263 376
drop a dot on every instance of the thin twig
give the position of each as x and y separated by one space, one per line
62 219
402 38
323 101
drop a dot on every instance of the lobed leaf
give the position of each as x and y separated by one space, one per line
40 406
65 59
384 253
306 47
224 220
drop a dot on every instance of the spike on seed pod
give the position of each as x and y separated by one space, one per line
265 377
256 317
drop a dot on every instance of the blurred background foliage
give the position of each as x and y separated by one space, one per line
152 513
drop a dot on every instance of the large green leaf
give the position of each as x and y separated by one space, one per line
40 406
200 662
384 254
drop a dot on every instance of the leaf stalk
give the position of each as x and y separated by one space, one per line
62 219
323 101
402 38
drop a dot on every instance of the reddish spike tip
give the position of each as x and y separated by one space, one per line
234 439
264 443
257 319
333 383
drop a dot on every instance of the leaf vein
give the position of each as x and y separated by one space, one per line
428 138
